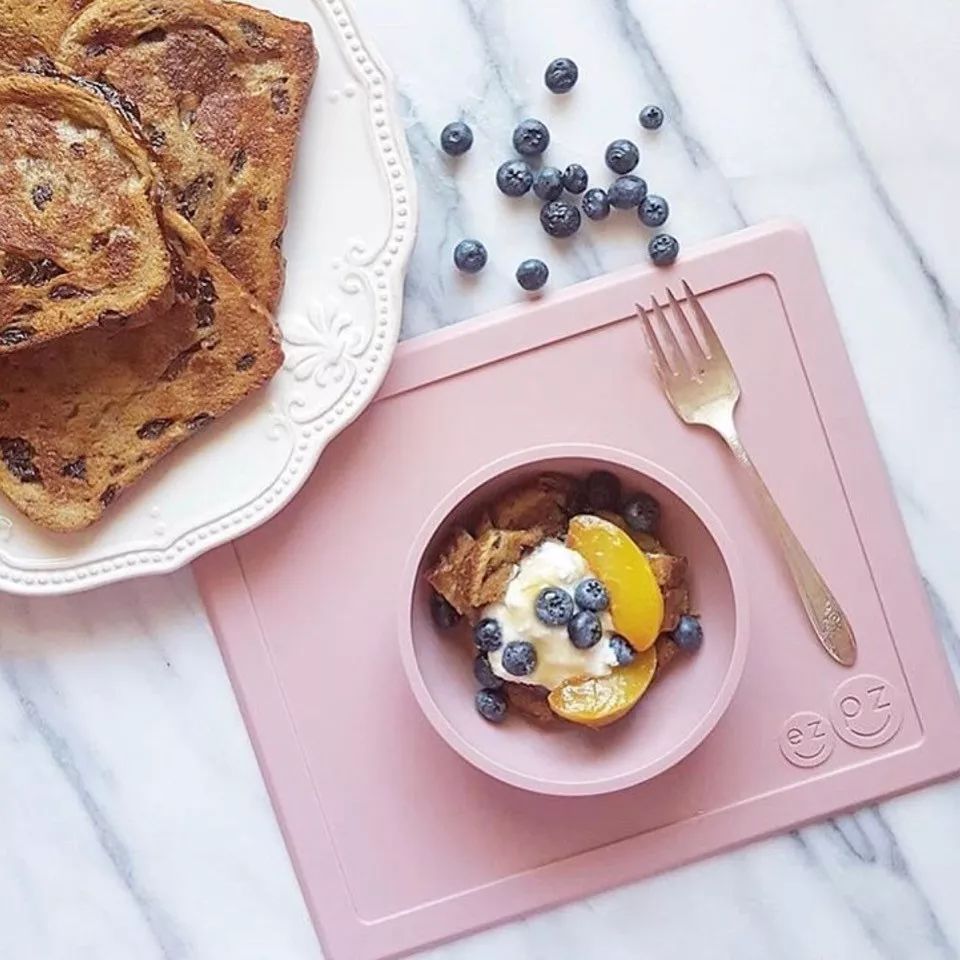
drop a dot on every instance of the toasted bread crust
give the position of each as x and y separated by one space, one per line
221 89
81 242
85 416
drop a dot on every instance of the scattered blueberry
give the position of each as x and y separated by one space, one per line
642 513
548 183
622 156
532 274
603 490
663 249
491 705
622 650
519 658
456 138
653 211
554 606
470 256
575 178
688 634
561 74
487 635
514 178
591 595
559 218
443 613
531 137
484 672
596 204
585 629
651 117
626 192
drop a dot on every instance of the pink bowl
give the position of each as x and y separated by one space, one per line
675 715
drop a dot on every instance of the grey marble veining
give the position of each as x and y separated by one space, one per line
133 821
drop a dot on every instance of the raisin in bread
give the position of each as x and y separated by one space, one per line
81 241
221 89
85 416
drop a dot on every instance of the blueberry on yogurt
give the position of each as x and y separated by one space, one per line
519 658
554 606
575 178
470 256
530 137
514 178
456 138
487 635
596 204
561 75
585 629
484 672
548 183
627 191
622 650
622 156
559 218
591 595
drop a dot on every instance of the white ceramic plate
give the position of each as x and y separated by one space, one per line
351 227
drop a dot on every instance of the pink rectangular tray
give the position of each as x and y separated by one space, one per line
397 842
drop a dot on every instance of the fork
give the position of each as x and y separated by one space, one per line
702 388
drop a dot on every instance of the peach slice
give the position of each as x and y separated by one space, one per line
636 603
598 701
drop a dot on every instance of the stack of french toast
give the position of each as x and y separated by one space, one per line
146 148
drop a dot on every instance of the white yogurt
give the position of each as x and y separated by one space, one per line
551 565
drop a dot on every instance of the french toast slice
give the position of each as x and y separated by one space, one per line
85 416
81 242
221 88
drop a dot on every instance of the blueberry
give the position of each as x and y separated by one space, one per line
591 595
470 256
491 705
651 117
654 210
554 606
603 490
663 249
531 137
514 178
559 218
626 192
548 183
622 650
596 204
575 178
456 138
688 634
561 74
484 672
519 658
443 613
622 156
532 274
642 513
585 629
487 635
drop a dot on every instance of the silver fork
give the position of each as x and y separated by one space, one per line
702 388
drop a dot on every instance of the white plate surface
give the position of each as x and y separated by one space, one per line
352 221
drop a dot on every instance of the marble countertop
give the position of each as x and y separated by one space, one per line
133 820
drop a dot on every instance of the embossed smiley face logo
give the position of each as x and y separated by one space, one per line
866 711
806 739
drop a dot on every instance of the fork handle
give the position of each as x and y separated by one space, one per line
824 613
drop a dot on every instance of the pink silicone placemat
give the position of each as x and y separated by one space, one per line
398 843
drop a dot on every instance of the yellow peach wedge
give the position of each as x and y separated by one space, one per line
636 603
598 701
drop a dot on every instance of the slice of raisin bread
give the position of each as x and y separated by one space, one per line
81 241
221 89
30 28
85 416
